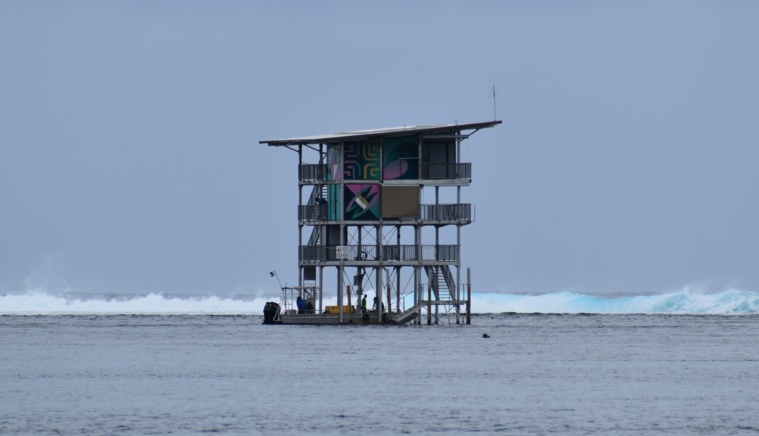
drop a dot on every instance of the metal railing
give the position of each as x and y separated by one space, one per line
389 253
453 171
460 212
312 213
446 212
314 173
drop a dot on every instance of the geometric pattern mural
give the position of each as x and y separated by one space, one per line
362 160
362 202
401 158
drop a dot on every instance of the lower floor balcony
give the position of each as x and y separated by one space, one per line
371 253
459 213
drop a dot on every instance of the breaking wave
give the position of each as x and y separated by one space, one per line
38 303
732 302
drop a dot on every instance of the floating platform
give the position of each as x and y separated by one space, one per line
272 316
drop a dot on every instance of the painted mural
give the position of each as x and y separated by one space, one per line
333 202
333 162
362 160
362 202
401 158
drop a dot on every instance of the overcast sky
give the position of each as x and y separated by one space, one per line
627 161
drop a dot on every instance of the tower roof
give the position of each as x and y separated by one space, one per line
442 129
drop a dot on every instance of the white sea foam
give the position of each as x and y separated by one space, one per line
683 302
41 303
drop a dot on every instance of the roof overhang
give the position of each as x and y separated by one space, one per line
437 129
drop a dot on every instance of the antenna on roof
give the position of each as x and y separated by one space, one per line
493 94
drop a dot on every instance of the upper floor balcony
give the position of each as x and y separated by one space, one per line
318 173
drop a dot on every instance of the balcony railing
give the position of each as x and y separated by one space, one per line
312 213
315 173
312 172
453 171
446 212
458 213
389 253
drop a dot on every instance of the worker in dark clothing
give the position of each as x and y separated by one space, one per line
301 303
374 307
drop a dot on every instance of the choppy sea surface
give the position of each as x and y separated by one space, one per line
67 370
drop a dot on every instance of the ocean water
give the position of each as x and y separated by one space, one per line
109 369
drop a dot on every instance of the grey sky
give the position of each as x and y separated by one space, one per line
129 155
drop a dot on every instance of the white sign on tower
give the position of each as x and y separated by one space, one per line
341 252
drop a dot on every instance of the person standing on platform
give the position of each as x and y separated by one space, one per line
301 303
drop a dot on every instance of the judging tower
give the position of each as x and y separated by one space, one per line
380 214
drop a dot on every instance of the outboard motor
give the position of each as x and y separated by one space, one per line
271 313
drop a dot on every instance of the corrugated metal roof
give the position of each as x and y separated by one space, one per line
377 133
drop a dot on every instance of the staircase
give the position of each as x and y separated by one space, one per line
406 316
441 281
320 191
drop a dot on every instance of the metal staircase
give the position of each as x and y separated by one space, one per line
319 191
441 281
